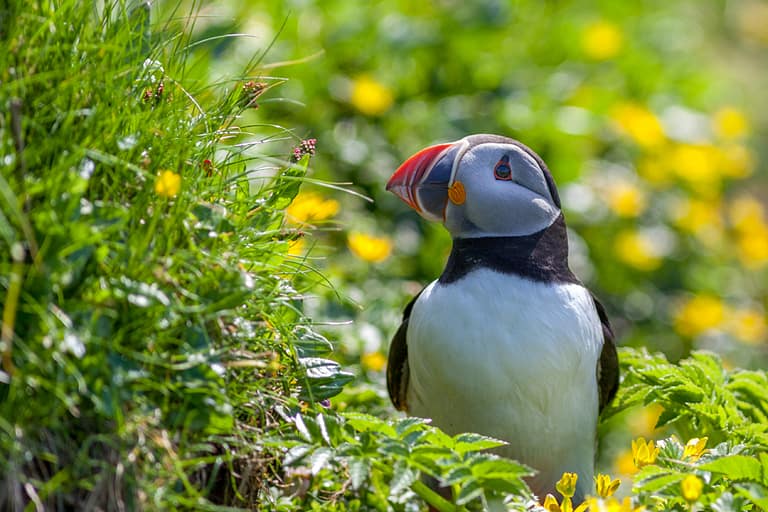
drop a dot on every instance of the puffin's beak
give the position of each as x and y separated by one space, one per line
422 181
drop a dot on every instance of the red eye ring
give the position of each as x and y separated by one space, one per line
502 171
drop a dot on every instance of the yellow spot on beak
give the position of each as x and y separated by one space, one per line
456 193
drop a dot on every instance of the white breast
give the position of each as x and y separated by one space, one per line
514 359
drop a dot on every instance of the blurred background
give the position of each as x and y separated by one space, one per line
652 116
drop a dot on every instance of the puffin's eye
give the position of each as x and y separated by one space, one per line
503 171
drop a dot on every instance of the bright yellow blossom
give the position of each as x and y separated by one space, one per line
736 161
746 213
374 361
644 453
639 124
168 184
369 248
369 96
730 123
551 505
692 487
296 247
625 199
748 219
652 170
698 315
567 484
698 216
642 421
699 165
695 448
602 40
624 463
605 486
637 250
748 325
753 248
609 505
309 207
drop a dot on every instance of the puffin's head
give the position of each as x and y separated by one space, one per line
481 185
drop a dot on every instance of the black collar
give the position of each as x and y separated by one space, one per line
542 256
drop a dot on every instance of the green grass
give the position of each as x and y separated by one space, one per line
137 328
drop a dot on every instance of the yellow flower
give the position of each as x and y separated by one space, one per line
697 164
369 96
748 325
609 505
602 40
642 421
644 453
639 124
168 184
652 170
637 250
624 463
296 247
698 216
550 504
753 248
625 199
605 486
567 484
692 487
374 361
369 248
746 213
730 123
695 448
310 207
736 161
698 315
747 217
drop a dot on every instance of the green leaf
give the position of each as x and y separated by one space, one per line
296 454
324 378
359 468
736 467
319 459
469 491
402 478
469 442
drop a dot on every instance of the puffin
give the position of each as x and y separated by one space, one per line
507 342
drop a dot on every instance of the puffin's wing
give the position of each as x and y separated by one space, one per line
397 365
608 365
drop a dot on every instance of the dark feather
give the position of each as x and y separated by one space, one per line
397 364
608 365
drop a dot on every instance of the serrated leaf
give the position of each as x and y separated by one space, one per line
402 478
407 425
736 467
302 428
359 468
496 467
320 421
296 454
319 459
309 343
457 475
469 442
366 423
469 491
324 378
655 483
